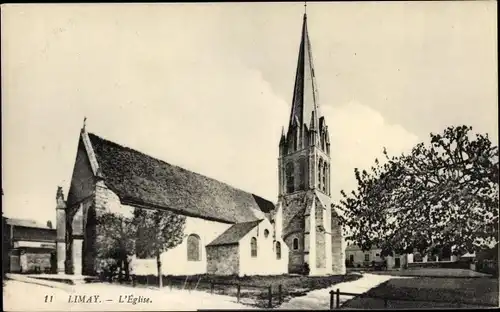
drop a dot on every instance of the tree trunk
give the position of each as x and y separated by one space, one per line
126 268
120 272
404 263
160 275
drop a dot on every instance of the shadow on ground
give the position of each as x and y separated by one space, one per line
430 292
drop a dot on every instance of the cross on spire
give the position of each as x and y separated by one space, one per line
84 122
305 7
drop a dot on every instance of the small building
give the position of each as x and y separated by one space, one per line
242 250
356 257
31 246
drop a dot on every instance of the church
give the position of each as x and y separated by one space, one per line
228 230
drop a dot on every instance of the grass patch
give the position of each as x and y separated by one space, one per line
254 290
425 292
433 272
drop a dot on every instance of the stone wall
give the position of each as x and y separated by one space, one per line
36 258
338 258
295 257
223 260
301 181
294 206
320 237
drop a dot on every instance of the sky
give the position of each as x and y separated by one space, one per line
208 86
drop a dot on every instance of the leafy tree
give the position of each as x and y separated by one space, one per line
439 195
157 232
117 236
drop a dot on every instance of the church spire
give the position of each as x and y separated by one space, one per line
305 95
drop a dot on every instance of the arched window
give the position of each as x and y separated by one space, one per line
320 172
278 250
253 247
193 248
328 180
266 233
295 243
324 177
302 174
289 177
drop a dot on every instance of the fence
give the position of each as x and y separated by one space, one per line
335 300
266 294
263 296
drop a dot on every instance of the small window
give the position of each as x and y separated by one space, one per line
278 250
351 257
295 243
266 233
367 257
253 247
193 248
377 255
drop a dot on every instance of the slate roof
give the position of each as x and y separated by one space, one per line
27 223
141 179
234 234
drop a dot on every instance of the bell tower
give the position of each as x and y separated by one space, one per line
304 177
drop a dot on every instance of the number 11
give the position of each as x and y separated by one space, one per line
48 298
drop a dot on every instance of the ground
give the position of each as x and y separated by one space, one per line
431 292
15 298
432 272
183 293
320 299
254 290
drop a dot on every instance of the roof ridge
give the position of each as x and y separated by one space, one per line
169 164
254 221
234 233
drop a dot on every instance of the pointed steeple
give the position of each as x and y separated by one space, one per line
305 95
282 140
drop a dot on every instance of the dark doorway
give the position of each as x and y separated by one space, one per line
89 243
53 263
397 262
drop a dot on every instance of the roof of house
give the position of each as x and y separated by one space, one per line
27 223
141 179
353 247
234 234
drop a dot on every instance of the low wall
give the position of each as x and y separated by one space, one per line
440 264
488 267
